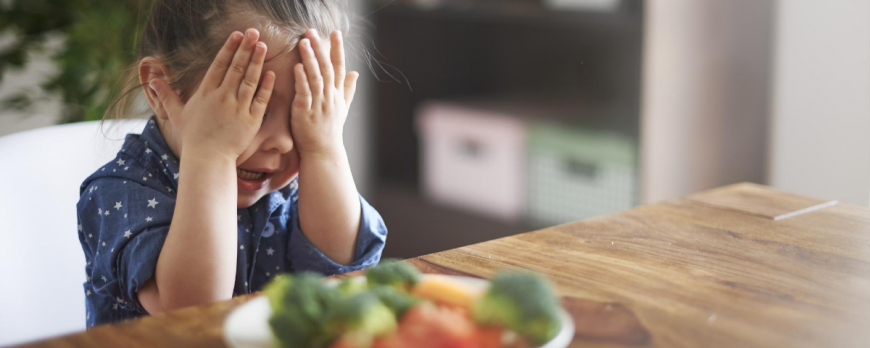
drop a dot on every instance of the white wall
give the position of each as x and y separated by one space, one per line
705 95
821 101
358 129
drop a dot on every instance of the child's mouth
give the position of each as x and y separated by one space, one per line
252 180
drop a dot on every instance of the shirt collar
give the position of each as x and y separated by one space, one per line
156 145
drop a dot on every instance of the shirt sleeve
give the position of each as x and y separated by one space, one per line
372 236
124 225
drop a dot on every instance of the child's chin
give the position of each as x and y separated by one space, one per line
246 201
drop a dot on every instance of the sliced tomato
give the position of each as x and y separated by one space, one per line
342 344
489 337
430 326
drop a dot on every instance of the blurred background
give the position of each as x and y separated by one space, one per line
492 118
497 117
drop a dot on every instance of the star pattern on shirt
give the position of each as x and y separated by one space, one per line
88 293
104 243
277 206
99 211
106 213
80 227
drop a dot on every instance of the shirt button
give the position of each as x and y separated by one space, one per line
269 230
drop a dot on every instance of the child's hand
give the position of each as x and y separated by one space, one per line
226 111
324 92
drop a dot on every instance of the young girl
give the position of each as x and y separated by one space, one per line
206 203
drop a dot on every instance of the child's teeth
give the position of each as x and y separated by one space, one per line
248 175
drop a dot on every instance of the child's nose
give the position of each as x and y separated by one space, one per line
278 139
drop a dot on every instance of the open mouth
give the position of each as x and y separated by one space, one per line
249 175
251 180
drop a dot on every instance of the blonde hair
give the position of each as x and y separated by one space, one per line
186 35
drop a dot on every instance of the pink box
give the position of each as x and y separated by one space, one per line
473 159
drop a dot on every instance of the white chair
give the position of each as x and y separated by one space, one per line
41 260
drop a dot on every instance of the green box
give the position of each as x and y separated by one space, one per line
575 173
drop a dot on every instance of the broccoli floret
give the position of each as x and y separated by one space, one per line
401 275
521 302
299 310
397 301
276 289
360 318
351 285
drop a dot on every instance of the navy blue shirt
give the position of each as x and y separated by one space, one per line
124 214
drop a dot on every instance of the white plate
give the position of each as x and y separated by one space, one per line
248 325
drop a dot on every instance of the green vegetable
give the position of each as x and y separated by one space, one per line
300 305
351 285
397 301
401 275
360 318
521 302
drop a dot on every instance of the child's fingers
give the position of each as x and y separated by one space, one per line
242 58
218 68
338 59
252 77
303 92
168 98
315 80
321 51
350 86
261 100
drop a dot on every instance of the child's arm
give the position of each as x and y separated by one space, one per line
329 204
197 263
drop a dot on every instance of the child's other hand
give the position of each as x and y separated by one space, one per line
324 92
226 111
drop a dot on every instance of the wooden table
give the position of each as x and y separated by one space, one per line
739 266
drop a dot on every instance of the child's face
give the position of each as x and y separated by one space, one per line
271 161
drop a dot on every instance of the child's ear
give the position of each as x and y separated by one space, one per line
151 68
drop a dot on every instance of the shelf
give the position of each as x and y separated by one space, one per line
518 11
